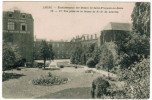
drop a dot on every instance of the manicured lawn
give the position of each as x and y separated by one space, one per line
71 93
22 87
78 86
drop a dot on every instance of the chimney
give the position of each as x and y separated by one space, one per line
17 13
95 36
87 37
91 37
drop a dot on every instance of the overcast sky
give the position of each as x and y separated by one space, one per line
57 26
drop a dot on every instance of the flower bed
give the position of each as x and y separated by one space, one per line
50 80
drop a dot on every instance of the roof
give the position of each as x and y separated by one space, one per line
118 26
14 8
40 40
28 15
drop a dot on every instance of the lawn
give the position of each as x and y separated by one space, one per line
22 87
71 93
18 83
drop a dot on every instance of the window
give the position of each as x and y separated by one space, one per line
23 16
23 27
10 15
11 26
58 44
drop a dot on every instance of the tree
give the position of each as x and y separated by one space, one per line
83 58
46 51
89 51
141 18
96 54
76 55
52 54
137 80
135 49
106 58
10 55
134 56
136 45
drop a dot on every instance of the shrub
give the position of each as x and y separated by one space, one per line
99 66
11 55
35 64
90 63
40 65
90 71
61 66
99 87
49 80
47 64
29 64
50 74
18 69
52 69
137 79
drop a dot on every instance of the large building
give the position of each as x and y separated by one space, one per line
114 31
61 49
86 39
18 30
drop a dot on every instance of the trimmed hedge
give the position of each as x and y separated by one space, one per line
90 63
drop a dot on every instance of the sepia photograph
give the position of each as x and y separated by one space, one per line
75 50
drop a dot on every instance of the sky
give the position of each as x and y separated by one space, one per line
62 25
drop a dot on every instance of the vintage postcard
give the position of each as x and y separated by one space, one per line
75 50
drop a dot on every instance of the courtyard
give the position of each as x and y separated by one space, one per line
78 85
78 82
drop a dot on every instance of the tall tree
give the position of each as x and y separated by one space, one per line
136 46
141 18
52 54
46 51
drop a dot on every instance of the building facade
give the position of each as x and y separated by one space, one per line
18 30
85 40
61 49
114 31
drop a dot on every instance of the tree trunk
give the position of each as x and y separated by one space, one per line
44 62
